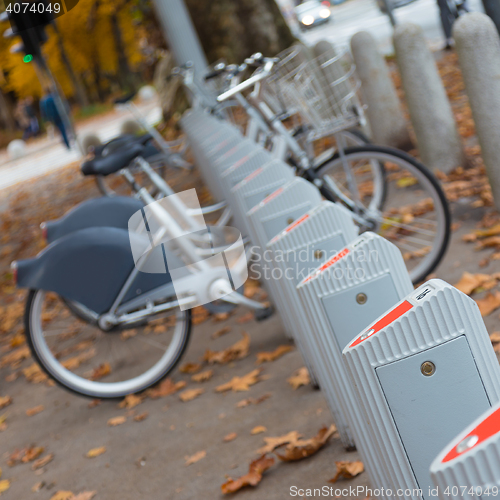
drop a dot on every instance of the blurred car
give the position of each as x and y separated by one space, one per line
312 13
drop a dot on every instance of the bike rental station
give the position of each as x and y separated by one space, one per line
343 251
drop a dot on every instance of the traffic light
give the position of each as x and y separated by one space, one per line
28 20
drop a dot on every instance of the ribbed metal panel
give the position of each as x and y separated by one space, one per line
475 472
385 260
435 318
327 222
296 197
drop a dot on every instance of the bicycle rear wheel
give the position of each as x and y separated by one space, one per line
406 204
70 347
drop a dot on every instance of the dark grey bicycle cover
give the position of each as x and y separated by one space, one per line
107 211
89 266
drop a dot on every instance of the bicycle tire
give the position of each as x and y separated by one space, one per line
47 368
433 183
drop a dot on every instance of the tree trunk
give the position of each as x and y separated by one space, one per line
235 29
76 82
6 118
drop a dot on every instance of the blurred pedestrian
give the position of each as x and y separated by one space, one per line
22 118
31 114
449 11
51 114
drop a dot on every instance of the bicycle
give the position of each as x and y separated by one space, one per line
387 190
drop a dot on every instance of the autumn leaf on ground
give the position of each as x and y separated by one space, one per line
230 437
141 417
300 377
42 462
101 371
15 357
304 448
252 401
4 485
469 282
25 455
199 315
5 401
239 350
240 383
190 368
218 317
190 394
113 422
38 486
3 425
84 495
195 458
249 316
495 337
258 429
165 388
221 332
35 374
94 403
347 470
252 478
264 357
95 452
275 442
63 495
489 303
33 411
202 376
492 231
131 401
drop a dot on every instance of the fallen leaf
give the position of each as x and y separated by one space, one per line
495 337
230 437
35 374
62 495
218 317
492 231
300 377
265 357
42 462
190 394
304 448
5 401
101 371
94 403
113 422
249 316
489 303
38 486
4 485
15 357
199 315
252 401
469 282
240 383
33 411
347 470
221 332
190 368
252 478
85 495
239 350
165 388
258 429
195 458
95 452
202 376
275 442
141 417
32 453
131 401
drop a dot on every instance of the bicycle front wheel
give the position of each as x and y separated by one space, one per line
69 346
398 197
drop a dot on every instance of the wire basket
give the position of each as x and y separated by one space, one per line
322 90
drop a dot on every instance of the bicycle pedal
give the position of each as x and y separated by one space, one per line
263 314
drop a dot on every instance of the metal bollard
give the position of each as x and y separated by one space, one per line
469 467
297 250
282 207
422 373
342 297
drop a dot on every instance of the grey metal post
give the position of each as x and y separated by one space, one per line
478 48
180 33
437 136
387 122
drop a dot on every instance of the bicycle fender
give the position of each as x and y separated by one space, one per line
98 212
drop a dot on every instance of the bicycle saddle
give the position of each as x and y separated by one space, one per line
112 163
121 140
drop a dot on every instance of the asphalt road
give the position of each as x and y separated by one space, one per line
358 15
